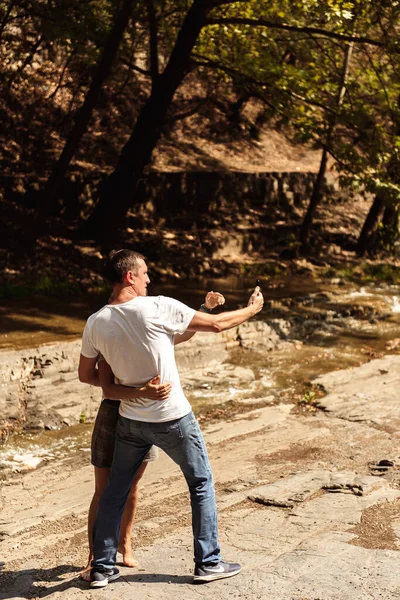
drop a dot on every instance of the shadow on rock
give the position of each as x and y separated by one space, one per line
158 578
37 583
34 583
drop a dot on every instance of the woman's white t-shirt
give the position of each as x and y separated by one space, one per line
137 340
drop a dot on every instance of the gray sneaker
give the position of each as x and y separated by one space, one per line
213 571
99 579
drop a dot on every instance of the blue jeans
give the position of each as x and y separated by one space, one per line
182 440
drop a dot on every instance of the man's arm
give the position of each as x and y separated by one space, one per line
87 371
211 300
217 323
154 390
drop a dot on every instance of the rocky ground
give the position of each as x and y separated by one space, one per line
39 387
308 501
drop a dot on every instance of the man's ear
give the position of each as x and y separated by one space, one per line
130 277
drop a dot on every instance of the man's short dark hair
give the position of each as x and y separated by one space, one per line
119 262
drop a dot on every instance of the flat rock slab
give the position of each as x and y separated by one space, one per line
324 566
302 486
367 393
311 548
222 375
249 423
291 490
327 568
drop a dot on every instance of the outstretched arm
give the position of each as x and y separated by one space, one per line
211 300
217 323
153 389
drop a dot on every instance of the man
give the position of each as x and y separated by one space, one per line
135 325
103 441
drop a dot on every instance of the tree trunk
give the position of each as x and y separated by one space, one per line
370 225
314 201
390 217
102 72
390 229
118 193
153 38
317 189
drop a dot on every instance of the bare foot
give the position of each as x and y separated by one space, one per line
85 573
127 556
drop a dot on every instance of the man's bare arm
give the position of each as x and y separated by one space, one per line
217 323
179 338
211 300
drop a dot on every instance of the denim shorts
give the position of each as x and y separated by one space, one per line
103 437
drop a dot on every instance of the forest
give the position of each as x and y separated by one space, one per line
96 93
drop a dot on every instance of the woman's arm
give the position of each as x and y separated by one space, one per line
153 389
87 371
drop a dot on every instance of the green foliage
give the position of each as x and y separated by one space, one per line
381 273
308 398
265 269
13 292
300 77
46 284
69 26
365 272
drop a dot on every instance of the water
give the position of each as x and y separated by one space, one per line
27 451
340 326
29 322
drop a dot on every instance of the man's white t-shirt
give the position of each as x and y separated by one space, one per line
137 340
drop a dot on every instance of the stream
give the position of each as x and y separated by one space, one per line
332 325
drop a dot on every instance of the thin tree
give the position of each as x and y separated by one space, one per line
381 206
316 194
370 224
102 72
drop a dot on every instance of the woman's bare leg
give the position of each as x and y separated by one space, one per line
100 480
128 519
101 476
